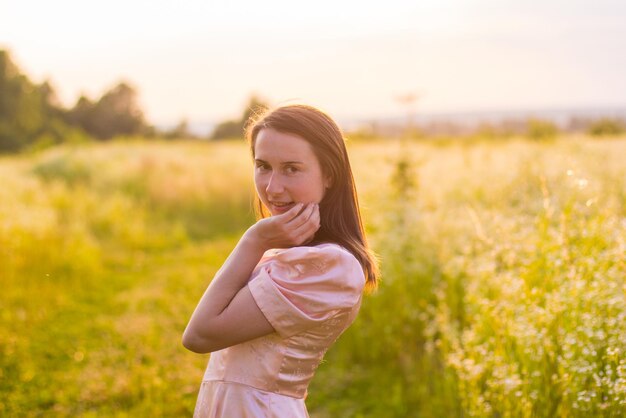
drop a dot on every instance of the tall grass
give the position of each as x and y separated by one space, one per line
503 291
98 246
502 294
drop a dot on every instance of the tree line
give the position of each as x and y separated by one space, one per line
32 117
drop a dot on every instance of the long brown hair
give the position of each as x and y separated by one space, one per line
340 216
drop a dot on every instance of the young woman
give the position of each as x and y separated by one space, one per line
294 281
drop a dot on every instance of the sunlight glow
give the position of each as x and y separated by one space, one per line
202 59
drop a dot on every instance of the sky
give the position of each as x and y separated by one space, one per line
201 60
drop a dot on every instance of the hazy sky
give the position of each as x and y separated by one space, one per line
202 59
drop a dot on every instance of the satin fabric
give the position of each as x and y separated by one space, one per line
310 295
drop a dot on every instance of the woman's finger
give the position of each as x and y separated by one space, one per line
311 225
309 233
303 217
313 219
291 214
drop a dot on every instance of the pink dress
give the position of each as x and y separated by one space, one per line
310 295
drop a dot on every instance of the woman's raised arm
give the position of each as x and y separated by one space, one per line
227 313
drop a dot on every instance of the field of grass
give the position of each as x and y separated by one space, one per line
503 290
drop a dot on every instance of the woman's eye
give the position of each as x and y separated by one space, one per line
262 167
291 170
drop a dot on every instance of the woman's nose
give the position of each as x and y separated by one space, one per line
275 185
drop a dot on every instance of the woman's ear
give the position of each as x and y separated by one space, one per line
328 182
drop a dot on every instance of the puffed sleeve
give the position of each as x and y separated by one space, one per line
302 287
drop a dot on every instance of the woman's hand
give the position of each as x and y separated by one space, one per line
292 228
215 324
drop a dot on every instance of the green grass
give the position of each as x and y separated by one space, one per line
503 288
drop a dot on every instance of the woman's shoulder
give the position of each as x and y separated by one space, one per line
301 287
325 251
327 260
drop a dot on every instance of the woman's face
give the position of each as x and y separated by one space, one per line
286 171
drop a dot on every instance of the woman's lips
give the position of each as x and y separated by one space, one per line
279 207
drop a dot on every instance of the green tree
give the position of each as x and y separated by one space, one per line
235 128
81 114
116 113
181 130
29 113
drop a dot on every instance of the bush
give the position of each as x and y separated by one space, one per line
607 127
541 130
